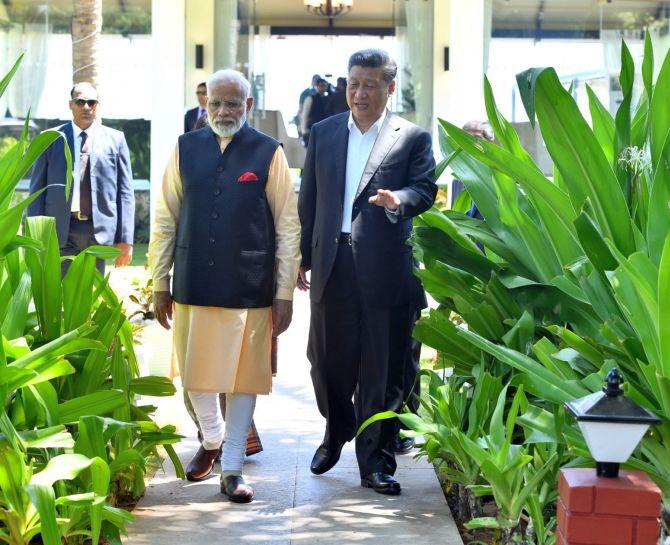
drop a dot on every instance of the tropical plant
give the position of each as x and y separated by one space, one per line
563 279
73 440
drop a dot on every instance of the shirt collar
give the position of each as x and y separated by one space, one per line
76 130
376 126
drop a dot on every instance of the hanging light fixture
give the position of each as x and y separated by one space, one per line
328 8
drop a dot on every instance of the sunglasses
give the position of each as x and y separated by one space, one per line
80 102
201 92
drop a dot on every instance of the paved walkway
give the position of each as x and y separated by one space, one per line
292 506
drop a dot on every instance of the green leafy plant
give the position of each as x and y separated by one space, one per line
562 280
73 441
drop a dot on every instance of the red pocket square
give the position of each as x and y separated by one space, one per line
248 177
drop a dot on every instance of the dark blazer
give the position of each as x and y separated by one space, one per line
402 161
112 193
190 119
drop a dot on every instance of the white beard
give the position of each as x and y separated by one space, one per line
227 132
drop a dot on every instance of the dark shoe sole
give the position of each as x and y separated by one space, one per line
239 499
400 452
198 479
390 491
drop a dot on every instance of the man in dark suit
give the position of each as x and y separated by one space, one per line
101 208
367 173
191 117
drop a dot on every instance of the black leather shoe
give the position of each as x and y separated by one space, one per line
381 483
324 459
403 445
230 483
200 466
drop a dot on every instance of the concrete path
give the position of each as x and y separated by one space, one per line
292 506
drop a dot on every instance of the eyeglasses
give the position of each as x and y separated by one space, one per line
80 102
201 92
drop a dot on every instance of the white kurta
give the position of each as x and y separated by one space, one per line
226 349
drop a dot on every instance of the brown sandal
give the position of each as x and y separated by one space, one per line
229 484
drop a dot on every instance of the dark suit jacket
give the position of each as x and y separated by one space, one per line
402 161
190 119
112 192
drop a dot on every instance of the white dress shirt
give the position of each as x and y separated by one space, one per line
76 160
358 152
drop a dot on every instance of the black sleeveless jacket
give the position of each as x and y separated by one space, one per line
225 247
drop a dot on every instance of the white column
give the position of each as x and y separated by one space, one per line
226 27
464 27
167 118
199 30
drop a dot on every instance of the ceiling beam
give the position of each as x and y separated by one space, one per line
330 31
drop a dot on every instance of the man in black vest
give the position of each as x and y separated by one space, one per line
225 217
367 173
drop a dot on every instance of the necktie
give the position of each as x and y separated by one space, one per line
85 205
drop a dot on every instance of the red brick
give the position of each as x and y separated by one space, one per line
575 486
594 530
560 540
647 531
632 494
561 514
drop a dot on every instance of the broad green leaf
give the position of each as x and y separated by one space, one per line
45 270
375 418
543 382
10 220
659 115
526 82
482 522
603 126
152 386
623 118
664 307
53 437
581 160
43 498
659 205
15 321
8 77
13 476
98 403
648 65
503 130
61 467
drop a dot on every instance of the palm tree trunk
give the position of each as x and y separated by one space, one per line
86 29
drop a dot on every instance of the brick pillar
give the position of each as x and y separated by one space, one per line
593 510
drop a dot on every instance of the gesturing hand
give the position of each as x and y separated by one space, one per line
282 312
385 198
302 283
163 308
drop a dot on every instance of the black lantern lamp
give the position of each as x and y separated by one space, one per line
612 424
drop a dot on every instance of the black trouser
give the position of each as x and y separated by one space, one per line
411 387
354 347
80 237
